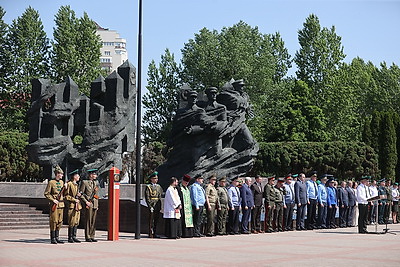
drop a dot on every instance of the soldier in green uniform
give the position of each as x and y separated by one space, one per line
279 204
389 203
269 198
212 201
74 206
222 212
382 202
153 194
55 193
89 189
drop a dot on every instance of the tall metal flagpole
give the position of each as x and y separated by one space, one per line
138 125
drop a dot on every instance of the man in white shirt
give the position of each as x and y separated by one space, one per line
362 199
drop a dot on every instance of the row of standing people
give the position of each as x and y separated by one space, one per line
72 196
316 203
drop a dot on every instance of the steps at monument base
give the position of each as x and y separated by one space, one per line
21 216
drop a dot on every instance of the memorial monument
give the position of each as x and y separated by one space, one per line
76 131
210 136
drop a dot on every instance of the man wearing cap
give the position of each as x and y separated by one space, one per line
247 204
89 189
322 200
352 203
289 202
212 201
186 211
198 197
343 203
362 199
222 212
312 192
279 205
73 196
332 204
269 198
153 194
257 190
54 192
301 200
234 207
382 201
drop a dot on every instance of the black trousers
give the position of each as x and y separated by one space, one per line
234 220
362 217
255 218
301 214
322 214
311 213
288 216
330 221
350 215
172 229
197 219
343 211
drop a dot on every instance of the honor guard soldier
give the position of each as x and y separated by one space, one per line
279 204
89 190
74 206
269 198
153 193
55 193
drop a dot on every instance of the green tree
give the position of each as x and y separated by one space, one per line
283 61
76 49
5 53
388 149
162 98
29 46
320 54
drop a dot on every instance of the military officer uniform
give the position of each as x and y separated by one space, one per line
74 208
89 189
213 204
153 194
55 193
279 205
382 202
269 196
222 213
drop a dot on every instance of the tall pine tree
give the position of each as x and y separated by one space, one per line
388 149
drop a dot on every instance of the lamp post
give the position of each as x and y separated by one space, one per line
138 124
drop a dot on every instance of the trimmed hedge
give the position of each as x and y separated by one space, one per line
345 160
14 164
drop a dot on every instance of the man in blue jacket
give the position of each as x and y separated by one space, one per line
312 193
198 197
247 204
332 203
301 200
322 203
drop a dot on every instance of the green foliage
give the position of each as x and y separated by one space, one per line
388 149
27 56
344 160
162 98
14 164
76 49
152 157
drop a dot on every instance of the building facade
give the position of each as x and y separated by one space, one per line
113 51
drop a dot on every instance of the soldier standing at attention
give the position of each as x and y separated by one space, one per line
222 212
74 206
55 193
269 198
212 204
153 193
279 204
89 189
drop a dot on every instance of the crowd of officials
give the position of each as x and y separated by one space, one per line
193 208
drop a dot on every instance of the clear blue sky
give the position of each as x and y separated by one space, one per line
369 29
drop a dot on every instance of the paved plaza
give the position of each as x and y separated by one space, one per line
336 247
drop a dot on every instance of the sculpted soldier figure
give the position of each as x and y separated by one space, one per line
153 193
74 206
55 193
89 189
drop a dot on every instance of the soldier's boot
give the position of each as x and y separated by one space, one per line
53 237
74 230
70 233
57 237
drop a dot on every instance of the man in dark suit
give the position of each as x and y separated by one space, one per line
352 203
257 191
301 200
247 204
343 202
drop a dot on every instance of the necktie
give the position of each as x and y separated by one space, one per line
315 188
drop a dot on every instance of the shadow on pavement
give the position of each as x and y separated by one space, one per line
39 241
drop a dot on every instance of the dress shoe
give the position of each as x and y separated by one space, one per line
93 240
89 240
254 232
